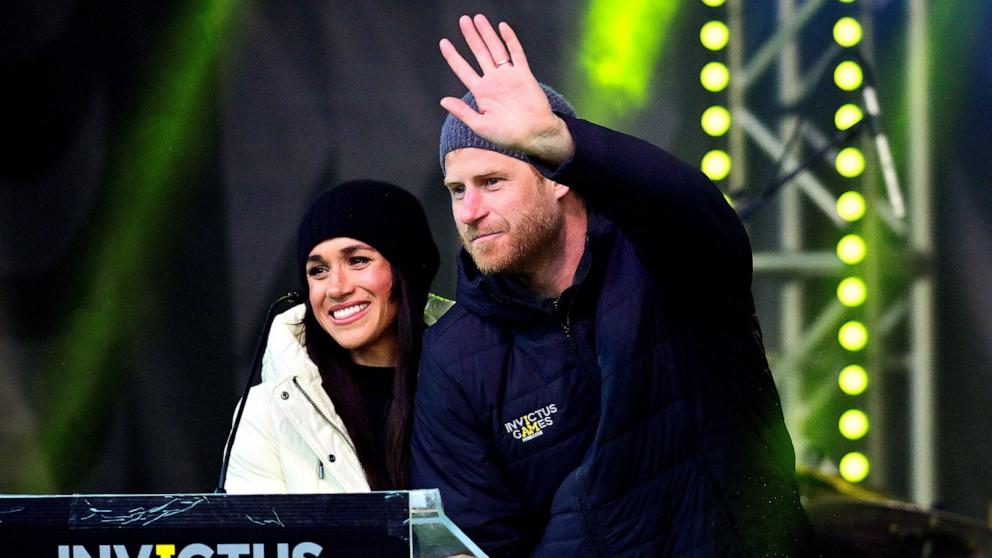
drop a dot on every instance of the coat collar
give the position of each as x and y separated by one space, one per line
508 298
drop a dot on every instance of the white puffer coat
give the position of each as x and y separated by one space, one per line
290 438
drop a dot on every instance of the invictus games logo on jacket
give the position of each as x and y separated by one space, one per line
530 426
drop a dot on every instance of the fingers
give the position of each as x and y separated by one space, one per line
516 50
458 65
494 44
476 44
460 110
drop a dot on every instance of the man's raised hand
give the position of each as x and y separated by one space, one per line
513 110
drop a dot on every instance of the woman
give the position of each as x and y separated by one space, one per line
334 408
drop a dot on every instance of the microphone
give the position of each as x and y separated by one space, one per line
290 297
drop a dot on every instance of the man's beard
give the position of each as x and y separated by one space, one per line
528 241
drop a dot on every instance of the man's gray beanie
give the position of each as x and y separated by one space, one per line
456 135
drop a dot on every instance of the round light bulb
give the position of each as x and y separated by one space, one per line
853 379
853 424
851 206
854 467
853 336
848 76
847 32
850 162
852 292
851 249
714 76
847 115
716 165
714 35
715 121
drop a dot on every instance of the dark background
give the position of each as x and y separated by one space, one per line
155 159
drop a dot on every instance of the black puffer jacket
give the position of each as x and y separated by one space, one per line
633 416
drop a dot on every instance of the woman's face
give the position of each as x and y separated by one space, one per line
350 287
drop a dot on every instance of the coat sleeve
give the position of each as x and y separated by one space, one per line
255 467
450 452
678 221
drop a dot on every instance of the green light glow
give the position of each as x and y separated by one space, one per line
714 35
851 249
852 292
853 336
716 164
847 115
854 467
851 206
850 162
620 45
715 121
853 380
848 76
714 3
847 32
715 77
167 128
853 424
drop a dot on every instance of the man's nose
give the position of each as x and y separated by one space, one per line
472 207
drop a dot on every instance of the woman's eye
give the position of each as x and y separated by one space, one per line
359 260
316 270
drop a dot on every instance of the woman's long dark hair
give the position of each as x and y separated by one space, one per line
391 471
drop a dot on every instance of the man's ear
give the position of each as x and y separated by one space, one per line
560 190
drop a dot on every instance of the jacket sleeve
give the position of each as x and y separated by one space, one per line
255 467
449 452
682 228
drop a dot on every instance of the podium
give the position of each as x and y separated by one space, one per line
387 524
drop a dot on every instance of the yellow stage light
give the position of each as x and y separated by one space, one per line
854 467
850 162
715 76
851 249
852 292
848 76
853 336
714 35
847 32
715 121
847 115
714 3
853 424
716 164
851 206
853 380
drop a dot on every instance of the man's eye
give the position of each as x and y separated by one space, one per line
457 191
492 181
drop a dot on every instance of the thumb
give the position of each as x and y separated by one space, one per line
460 110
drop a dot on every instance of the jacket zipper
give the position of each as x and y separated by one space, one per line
595 536
566 320
331 424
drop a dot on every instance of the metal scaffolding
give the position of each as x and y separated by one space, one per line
899 314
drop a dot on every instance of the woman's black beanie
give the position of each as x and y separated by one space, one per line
382 215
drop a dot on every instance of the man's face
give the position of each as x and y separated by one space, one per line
506 212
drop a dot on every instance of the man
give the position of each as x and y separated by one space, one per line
600 389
